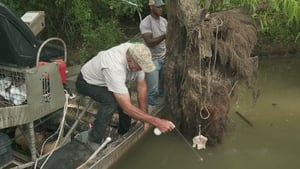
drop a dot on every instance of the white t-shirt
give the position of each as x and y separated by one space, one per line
157 27
109 68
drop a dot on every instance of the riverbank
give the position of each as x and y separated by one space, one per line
267 48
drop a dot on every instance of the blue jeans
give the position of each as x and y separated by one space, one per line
107 106
155 82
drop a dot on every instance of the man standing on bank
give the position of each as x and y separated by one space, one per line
104 79
153 29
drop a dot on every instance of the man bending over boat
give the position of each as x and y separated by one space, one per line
104 79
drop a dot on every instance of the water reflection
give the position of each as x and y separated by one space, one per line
271 143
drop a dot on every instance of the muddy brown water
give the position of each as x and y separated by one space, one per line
271 143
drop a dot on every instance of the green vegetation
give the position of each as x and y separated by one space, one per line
89 26
278 20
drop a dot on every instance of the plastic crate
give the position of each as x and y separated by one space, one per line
27 94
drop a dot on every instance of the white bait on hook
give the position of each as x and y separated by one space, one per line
199 142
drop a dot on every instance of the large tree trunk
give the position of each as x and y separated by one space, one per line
207 55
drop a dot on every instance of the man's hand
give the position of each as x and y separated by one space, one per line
165 125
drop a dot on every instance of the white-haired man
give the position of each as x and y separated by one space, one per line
104 79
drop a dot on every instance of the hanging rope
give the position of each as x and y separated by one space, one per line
201 113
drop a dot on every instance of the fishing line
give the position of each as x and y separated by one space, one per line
189 145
